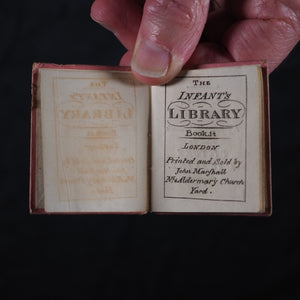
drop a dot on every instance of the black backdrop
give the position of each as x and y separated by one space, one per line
133 256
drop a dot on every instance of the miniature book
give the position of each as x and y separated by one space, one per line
102 142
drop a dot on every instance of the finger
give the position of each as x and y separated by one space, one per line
122 17
170 31
269 33
261 39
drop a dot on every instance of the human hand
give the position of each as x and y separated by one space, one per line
164 35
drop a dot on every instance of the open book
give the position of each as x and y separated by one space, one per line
104 143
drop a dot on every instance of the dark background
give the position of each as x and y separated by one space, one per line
150 256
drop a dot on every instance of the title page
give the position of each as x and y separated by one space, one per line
206 141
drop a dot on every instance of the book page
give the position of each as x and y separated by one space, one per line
206 141
94 141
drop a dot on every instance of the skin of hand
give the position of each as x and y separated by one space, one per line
162 36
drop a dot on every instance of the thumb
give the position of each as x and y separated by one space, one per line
169 33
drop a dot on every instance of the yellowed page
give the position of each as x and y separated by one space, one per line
94 140
206 141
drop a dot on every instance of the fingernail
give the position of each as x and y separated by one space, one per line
151 60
